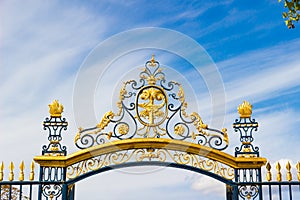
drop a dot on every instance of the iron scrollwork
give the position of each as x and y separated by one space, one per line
248 191
152 108
52 191
55 124
245 126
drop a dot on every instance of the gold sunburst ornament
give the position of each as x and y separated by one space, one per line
55 109
245 109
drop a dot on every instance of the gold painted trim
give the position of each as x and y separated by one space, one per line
148 143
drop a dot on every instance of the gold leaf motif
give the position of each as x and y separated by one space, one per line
123 129
179 129
105 120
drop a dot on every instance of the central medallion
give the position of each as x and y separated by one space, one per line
151 109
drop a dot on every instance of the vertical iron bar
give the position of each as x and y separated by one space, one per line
10 186
290 190
20 194
280 196
270 192
40 185
258 172
30 191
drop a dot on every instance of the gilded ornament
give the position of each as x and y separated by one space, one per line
152 60
269 175
105 120
123 129
55 109
11 171
179 129
109 135
1 171
278 176
152 108
21 175
149 154
31 175
245 109
288 174
225 137
298 170
153 100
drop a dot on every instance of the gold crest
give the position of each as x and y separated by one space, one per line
245 109
55 109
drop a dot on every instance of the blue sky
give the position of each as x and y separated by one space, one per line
44 43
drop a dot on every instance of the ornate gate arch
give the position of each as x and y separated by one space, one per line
151 127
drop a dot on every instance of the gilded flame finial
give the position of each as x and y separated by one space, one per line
245 109
55 109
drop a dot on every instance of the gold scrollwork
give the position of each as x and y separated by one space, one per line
140 155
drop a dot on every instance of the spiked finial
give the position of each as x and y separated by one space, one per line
289 174
1 171
31 175
278 167
21 175
269 175
298 170
11 171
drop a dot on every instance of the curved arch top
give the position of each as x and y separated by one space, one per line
151 143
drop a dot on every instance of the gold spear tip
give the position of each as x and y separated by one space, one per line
55 109
268 166
31 175
1 166
22 167
245 109
21 175
11 171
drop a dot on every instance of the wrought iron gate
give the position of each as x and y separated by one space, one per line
151 127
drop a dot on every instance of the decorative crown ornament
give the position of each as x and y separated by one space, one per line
55 109
245 109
